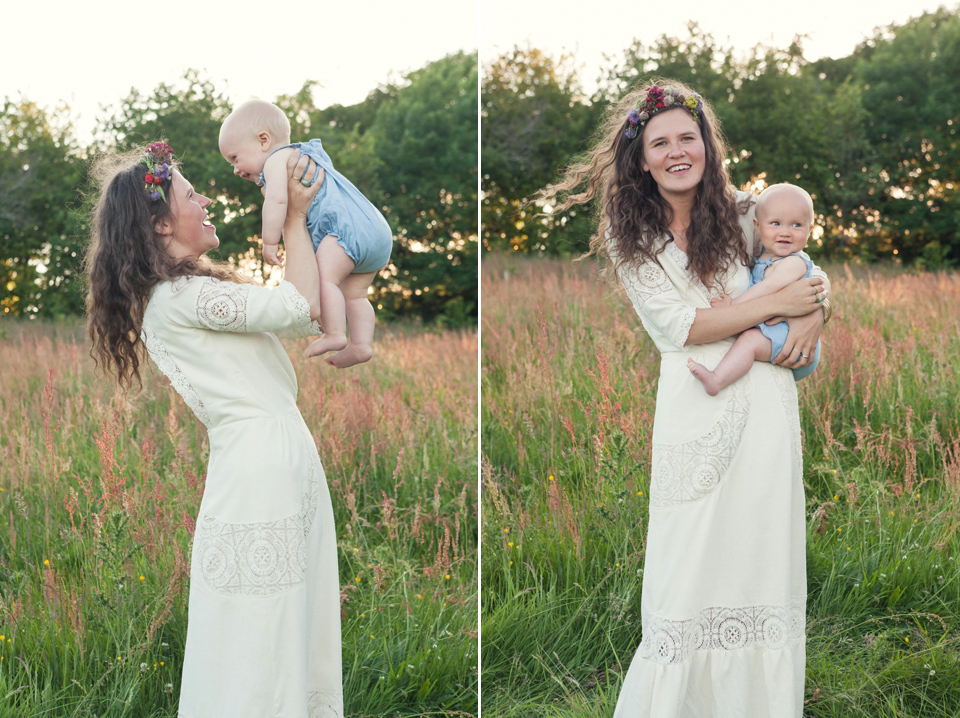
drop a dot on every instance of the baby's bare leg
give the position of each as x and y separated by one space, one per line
334 266
360 317
750 346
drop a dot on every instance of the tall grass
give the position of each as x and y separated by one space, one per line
97 506
569 382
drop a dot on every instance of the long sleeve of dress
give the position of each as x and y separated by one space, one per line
666 316
208 303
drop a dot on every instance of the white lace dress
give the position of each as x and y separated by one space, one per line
724 584
263 635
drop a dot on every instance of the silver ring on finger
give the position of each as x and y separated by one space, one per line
805 356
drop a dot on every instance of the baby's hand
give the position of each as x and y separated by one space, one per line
723 300
270 255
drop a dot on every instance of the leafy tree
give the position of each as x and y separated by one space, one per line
426 142
910 87
40 177
535 118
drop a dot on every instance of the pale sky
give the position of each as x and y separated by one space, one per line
89 54
592 28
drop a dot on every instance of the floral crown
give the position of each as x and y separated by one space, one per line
657 100
159 160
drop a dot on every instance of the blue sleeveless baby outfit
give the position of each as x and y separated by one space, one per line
341 209
777 334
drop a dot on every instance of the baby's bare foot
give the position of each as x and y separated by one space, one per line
706 377
328 343
353 354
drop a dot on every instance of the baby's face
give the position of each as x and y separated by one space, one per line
241 148
784 223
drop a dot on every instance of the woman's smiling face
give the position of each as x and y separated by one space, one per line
674 153
189 235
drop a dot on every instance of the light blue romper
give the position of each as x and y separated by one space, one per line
777 334
341 209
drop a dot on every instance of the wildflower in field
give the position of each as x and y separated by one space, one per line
506 531
142 578
550 478
168 688
46 562
144 667
510 544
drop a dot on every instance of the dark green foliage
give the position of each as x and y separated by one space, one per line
40 179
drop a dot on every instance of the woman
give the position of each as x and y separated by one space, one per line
263 638
724 589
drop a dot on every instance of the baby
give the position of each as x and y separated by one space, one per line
351 238
784 216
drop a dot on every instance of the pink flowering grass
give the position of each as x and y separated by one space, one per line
568 395
98 499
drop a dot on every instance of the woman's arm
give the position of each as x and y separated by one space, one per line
300 263
798 298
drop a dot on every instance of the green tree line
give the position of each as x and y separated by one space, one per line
410 147
872 136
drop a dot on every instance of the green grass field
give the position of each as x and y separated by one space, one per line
569 382
97 506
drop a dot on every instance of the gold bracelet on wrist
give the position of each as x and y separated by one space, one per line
827 309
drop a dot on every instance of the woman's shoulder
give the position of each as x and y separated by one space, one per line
745 201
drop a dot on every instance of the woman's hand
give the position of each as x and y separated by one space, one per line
304 179
798 350
798 298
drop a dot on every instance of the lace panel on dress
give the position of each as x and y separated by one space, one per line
259 558
223 305
644 281
300 305
325 704
178 379
722 629
690 470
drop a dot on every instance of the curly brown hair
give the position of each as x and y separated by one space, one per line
631 210
126 258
